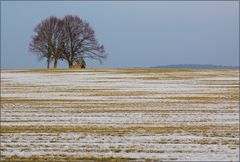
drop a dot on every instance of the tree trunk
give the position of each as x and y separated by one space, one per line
48 63
55 63
70 64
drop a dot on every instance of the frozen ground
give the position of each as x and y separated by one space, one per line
120 114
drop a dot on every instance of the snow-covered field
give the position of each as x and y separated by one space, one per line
120 114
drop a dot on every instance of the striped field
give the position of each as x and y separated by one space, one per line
120 114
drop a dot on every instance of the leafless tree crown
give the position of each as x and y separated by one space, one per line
70 39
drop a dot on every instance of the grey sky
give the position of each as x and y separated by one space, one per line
135 34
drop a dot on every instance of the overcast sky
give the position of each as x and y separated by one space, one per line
135 34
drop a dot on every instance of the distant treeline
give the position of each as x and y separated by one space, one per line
197 66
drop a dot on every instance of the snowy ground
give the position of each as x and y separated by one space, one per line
158 114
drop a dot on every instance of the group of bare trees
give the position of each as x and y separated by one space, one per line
70 39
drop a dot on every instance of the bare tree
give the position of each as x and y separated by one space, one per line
47 42
57 39
71 39
79 41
